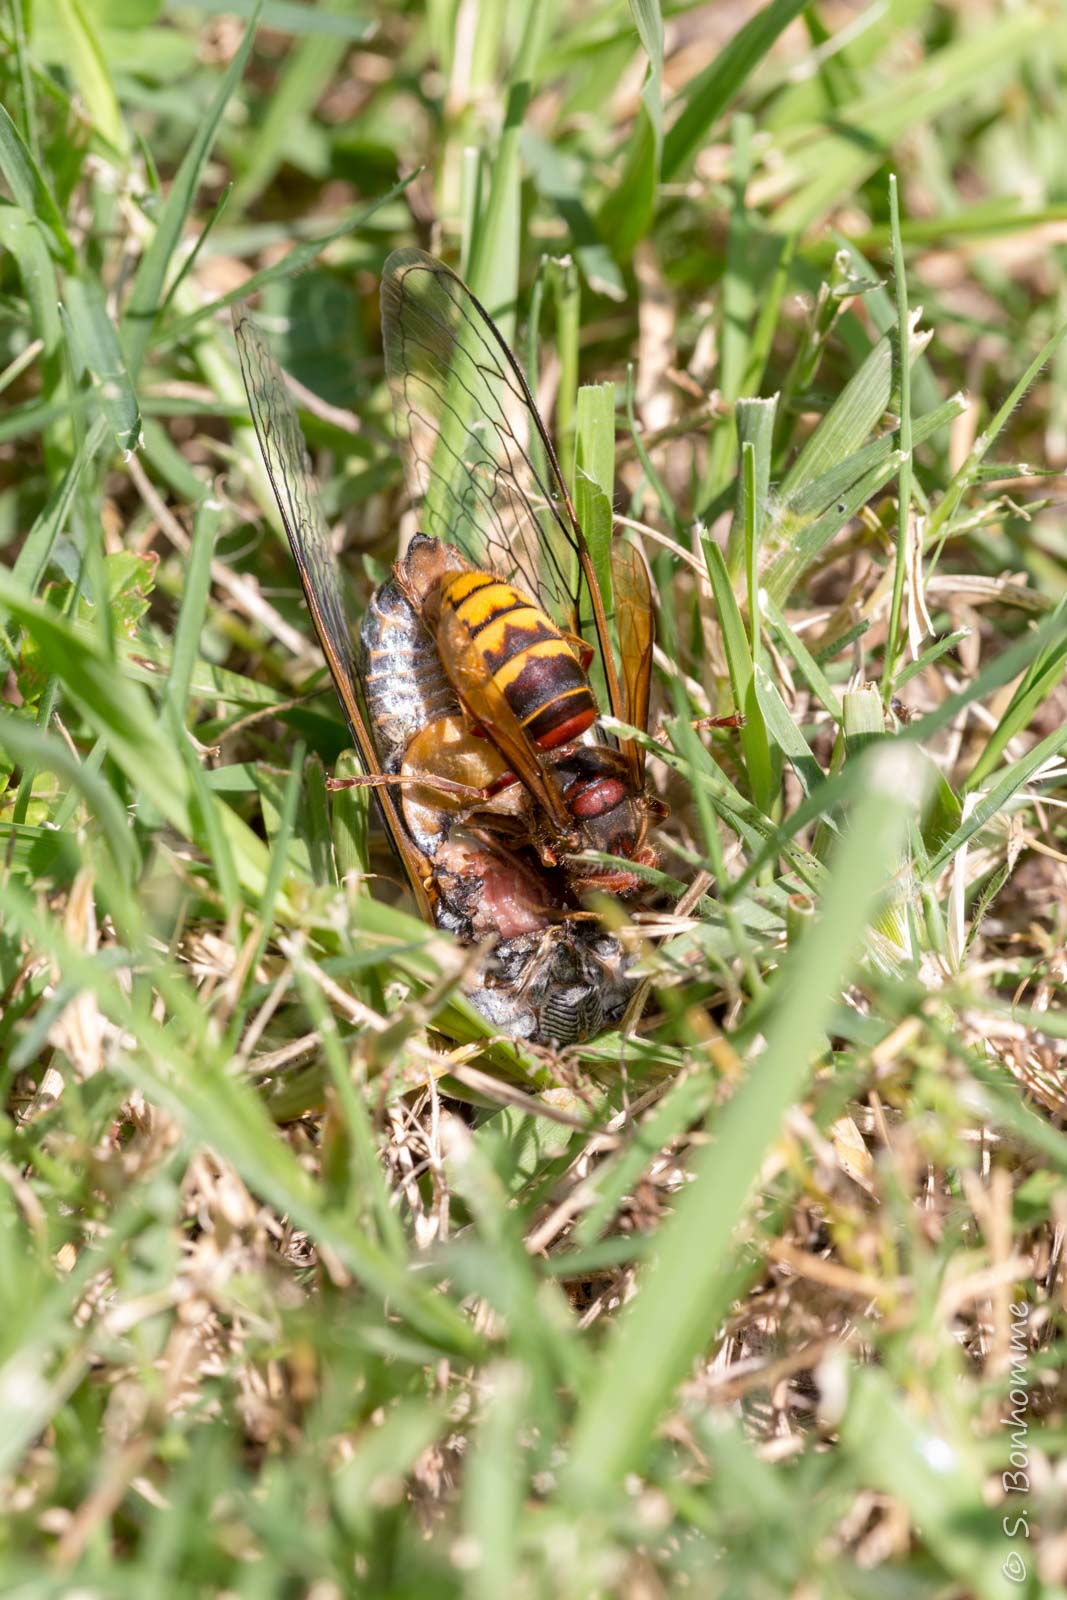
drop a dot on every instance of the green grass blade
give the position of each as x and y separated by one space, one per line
754 420
567 293
753 735
351 820
848 423
738 288
783 731
495 1486
941 517
680 1299
904 495
87 63
804 540
938 1477
628 210
195 593
23 239
930 655
707 95
594 476
294 261
191 259
146 296
1039 682
315 815
494 261
1015 776
94 338
29 188
295 95
815 496
810 670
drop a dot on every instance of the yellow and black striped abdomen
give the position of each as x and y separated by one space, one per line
525 655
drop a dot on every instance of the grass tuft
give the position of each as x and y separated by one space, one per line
307 1284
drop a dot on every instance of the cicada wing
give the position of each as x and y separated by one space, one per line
635 625
285 456
480 464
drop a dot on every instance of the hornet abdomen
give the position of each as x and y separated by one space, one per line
523 652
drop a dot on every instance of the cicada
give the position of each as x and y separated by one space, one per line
470 687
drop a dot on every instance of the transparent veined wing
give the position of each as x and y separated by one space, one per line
285 456
480 464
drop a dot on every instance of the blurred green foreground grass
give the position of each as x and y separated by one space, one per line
307 1288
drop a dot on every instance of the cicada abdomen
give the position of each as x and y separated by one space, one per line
405 685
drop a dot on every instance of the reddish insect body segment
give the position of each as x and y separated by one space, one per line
594 798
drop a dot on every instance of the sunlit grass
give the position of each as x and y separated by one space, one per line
309 1287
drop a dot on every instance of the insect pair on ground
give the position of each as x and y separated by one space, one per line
470 687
